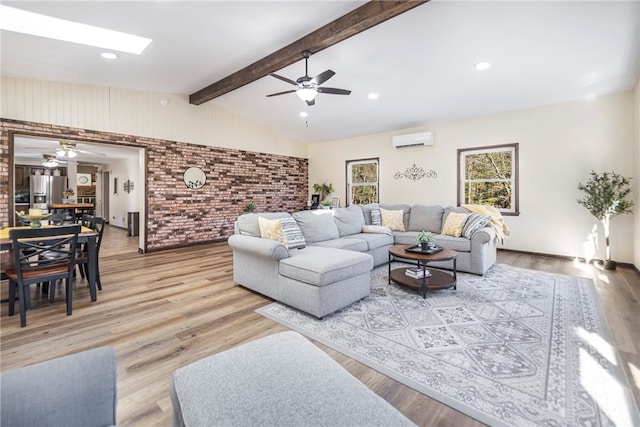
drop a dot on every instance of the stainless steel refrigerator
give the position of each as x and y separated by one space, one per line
46 189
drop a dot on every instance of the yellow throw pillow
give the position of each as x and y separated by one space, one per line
392 219
454 224
270 229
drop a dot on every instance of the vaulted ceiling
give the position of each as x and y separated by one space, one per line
421 63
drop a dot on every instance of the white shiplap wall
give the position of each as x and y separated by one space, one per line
138 113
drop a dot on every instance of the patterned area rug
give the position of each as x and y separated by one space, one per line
514 347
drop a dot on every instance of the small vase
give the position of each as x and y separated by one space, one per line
424 246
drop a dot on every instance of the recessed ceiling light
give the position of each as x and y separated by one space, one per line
481 66
373 95
34 24
109 55
303 114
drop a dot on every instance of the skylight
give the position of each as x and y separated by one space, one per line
21 21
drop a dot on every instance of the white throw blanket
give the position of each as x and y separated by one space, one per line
496 222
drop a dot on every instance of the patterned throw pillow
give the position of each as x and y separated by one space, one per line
474 223
376 218
454 224
291 233
270 229
392 219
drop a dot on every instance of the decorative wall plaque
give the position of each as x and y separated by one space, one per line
128 186
415 173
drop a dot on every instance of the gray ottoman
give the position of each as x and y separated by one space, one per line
279 380
319 280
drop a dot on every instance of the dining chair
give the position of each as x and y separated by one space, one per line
41 255
97 224
56 218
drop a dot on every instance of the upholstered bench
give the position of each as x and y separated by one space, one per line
278 380
320 280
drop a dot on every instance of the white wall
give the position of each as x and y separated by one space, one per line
636 178
138 113
559 146
122 202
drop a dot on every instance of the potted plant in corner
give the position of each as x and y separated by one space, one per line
606 197
425 240
324 190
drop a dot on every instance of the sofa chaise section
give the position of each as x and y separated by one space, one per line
278 380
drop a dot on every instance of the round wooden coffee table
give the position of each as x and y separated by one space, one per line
436 280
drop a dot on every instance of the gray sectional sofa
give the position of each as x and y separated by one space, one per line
332 270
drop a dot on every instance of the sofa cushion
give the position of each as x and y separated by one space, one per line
375 240
322 266
279 380
349 220
406 211
474 223
348 243
366 211
317 225
392 219
426 217
454 224
459 244
291 234
247 224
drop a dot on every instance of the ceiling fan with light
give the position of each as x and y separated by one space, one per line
65 149
69 150
309 87
50 161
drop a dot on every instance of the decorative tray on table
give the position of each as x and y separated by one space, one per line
430 251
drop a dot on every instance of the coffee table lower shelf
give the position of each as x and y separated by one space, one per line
437 280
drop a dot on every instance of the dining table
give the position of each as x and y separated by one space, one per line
87 235
76 209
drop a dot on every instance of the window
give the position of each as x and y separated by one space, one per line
489 176
362 181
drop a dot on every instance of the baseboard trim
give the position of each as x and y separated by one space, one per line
620 264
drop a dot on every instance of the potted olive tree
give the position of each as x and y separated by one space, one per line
605 197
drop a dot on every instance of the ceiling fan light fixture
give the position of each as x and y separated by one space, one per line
50 163
62 152
307 94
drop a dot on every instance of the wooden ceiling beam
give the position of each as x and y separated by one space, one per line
366 16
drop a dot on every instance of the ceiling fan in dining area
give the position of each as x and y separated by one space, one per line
307 88
50 161
64 150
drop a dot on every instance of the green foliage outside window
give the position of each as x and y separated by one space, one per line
363 181
488 176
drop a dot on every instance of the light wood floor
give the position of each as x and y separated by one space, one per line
164 310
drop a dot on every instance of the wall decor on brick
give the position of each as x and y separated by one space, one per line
176 215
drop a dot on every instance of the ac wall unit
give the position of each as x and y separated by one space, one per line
413 139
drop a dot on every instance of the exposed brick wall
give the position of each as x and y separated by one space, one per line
176 215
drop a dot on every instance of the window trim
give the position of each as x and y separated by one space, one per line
514 147
348 173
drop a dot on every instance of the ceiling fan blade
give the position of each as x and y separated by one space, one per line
312 102
89 152
282 93
284 79
323 77
333 91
